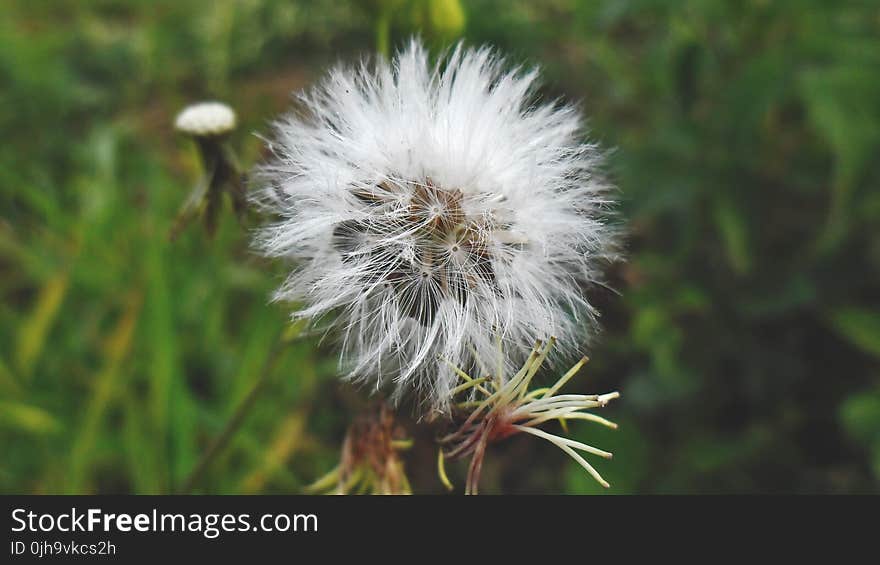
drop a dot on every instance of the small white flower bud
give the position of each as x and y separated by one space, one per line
206 119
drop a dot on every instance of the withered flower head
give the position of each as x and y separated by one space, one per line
370 461
498 408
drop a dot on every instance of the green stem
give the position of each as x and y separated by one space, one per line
383 33
235 422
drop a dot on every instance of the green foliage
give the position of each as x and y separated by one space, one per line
744 138
860 326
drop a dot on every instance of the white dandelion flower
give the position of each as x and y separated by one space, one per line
206 119
436 210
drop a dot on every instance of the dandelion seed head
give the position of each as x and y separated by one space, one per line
206 119
433 210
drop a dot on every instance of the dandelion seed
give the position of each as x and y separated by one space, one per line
431 208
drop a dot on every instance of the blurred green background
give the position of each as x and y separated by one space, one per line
746 137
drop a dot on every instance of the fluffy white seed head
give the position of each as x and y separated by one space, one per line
206 119
433 210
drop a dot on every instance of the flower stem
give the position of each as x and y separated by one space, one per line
383 33
235 422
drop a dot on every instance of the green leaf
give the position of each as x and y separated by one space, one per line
860 327
32 334
844 106
734 230
27 418
860 415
